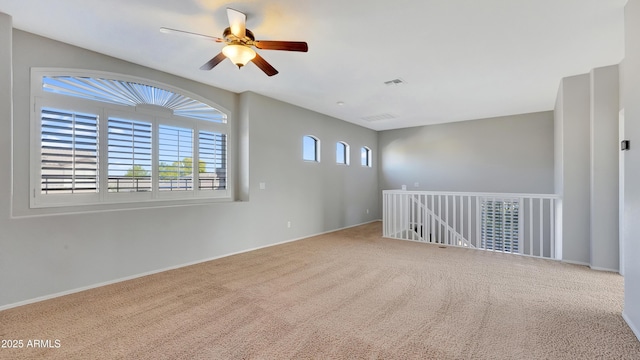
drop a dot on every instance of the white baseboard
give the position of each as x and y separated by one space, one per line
597 268
105 283
576 262
635 330
604 269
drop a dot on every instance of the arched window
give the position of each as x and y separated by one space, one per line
310 148
342 153
365 156
108 138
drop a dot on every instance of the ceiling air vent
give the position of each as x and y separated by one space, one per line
394 82
378 117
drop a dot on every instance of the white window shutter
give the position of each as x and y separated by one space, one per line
68 152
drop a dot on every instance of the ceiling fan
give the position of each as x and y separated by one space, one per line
239 40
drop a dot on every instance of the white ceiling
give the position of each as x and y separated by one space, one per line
460 59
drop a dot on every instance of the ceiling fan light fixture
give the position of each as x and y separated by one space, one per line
239 54
239 43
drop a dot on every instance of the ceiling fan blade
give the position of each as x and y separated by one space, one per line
237 22
213 62
282 45
264 65
188 33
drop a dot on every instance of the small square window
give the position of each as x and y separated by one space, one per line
342 153
310 148
365 156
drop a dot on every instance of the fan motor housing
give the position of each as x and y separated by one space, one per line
230 38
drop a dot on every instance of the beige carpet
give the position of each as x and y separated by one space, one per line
346 295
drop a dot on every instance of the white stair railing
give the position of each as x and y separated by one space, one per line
522 224
424 221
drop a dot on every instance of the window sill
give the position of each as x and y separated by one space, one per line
57 209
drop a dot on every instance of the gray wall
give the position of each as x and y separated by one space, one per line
6 106
48 254
586 167
504 154
333 195
573 180
631 103
605 252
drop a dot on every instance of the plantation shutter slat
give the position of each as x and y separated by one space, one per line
129 163
139 149
68 152
175 159
212 152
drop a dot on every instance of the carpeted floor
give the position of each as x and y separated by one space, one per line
346 295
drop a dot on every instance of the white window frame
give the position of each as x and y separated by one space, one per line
157 115
117 197
368 160
194 155
317 148
35 158
347 153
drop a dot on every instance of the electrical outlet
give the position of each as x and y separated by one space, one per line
288 224
367 211
416 184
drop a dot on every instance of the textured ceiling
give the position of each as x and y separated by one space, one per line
458 59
